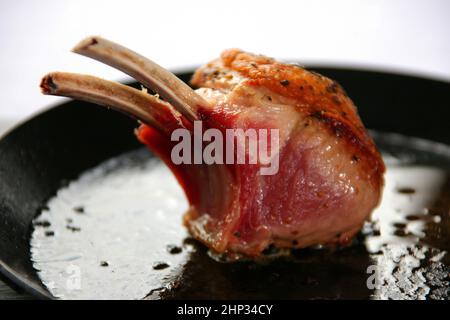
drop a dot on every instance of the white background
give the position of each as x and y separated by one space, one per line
36 37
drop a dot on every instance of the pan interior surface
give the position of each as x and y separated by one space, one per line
41 155
116 233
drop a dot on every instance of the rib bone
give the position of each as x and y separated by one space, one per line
153 76
141 105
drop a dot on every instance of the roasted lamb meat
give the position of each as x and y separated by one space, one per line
330 173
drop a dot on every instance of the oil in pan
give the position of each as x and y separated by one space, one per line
116 233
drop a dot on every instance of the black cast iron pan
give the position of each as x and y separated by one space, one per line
42 154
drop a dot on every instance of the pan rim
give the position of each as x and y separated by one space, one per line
314 65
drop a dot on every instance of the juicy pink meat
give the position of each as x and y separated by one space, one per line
330 174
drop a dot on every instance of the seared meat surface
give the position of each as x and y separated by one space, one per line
330 174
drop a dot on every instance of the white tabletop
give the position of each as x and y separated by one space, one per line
36 37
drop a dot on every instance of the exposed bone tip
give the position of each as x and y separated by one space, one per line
48 86
86 43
